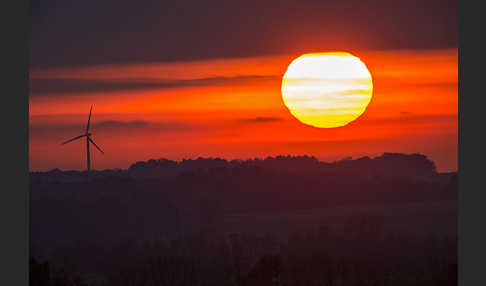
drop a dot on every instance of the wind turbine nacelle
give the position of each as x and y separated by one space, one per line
88 134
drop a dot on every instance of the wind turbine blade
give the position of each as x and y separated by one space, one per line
89 118
95 145
75 138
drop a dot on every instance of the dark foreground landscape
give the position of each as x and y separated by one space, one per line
389 220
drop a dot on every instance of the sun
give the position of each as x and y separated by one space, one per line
327 90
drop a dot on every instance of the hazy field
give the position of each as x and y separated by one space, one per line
425 218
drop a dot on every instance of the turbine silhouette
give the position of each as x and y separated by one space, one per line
88 140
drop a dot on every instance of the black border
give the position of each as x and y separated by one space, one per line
14 249
472 190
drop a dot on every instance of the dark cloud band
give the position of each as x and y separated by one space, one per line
43 86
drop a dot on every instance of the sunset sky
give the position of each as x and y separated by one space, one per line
186 100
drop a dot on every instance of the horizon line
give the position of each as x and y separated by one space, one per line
178 161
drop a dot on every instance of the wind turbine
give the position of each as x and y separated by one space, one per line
88 140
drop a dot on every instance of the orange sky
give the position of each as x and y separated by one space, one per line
232 108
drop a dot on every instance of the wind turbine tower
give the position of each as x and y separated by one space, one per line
88 141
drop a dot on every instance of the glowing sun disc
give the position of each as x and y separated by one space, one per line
327 90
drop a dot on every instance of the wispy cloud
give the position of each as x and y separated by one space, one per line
412 118
52 129
262 119
117 124
55 86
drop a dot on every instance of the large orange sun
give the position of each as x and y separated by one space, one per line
327 90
